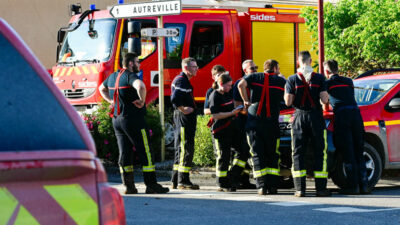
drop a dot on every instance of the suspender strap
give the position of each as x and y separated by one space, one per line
265 96
116 94
306 94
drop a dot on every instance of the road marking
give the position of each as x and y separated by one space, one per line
352 209
289 204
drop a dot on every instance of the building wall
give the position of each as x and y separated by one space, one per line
38 21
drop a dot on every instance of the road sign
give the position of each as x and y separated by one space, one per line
160 32
146 9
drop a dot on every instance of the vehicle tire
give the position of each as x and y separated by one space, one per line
373 163
169 134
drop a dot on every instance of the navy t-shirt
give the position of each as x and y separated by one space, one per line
341 91
255 83
127 94
182 92
221 103
295 86
207 100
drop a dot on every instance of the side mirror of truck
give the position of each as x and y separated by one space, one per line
394 103
134 37
60 36
58 52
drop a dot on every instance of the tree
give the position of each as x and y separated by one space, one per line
360 34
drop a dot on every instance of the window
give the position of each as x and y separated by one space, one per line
207 41
149 44
370 91
79 45
174 46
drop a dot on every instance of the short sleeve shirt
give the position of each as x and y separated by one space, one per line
127 94
255 83
221 103
341 91
296 87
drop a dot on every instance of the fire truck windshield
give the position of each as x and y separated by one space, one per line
91 42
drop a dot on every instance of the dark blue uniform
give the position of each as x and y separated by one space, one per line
185 127
348 129
308 126
245 152
130 126
227 138
262 126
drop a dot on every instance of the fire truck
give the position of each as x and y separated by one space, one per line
92 46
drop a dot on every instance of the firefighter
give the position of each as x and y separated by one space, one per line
262 126
215 72
223 130
127 94
348 129
185 120
306 90
248 67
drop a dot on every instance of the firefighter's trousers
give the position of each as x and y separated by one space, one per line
349 141
185 129
264 150
132 135
309 127
230 144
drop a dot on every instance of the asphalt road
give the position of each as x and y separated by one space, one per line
207 206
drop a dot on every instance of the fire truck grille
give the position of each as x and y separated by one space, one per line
69 93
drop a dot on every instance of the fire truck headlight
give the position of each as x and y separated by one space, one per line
88 91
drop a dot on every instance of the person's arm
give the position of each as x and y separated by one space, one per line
323 95
243 92
223 115
289 93
289 98
105 94
141 90
185 109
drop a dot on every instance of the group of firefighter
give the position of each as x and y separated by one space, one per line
244 125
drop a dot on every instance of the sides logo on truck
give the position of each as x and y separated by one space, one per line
262 17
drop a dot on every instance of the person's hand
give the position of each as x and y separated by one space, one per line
247 104
236 111
138 103
187 110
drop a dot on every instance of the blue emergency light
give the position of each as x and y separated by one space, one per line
92 7
120 1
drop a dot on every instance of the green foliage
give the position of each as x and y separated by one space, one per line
203 149
100 126
359 34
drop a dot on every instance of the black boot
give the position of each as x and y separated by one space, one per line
156 189
245 182
364 186
184 182
129 182
350 191
152 187
174 179
300 186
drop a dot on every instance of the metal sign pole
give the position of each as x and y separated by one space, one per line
161 87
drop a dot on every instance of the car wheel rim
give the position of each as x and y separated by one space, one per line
369 164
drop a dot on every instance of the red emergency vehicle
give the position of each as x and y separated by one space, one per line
49 172
95 43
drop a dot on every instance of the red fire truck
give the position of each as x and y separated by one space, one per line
92 46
